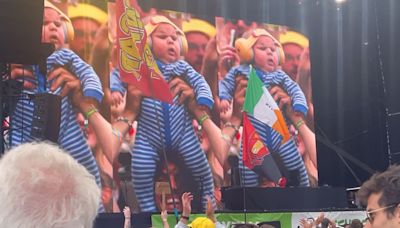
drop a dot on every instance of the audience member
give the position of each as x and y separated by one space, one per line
293 44
181 181
43 186
198 33
381 195
127 217
356 223
164 218
304 81
321 221
86 20
209 222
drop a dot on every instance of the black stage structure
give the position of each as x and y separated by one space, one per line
20 43
353 62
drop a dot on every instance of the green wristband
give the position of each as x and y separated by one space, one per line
202 119
90 112
298 124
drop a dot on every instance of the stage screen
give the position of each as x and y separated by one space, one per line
171 149
212 51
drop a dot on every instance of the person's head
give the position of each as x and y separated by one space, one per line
266 226
167 41
269 224
381 195
181 181
261 49
245 225
43 186
325 223
293 44
356 223
57 28
202 222
86 20
198 33
162 187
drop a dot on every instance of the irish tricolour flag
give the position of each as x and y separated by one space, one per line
260 104
256 155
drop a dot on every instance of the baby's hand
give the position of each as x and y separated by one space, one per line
225 105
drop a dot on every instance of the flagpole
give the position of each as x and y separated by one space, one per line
244 181
164 154
176 213
244 195
243 185
170 185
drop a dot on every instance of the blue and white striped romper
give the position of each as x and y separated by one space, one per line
71 137
162 125
288 151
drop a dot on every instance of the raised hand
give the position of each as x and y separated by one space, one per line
210 209
239 96
180 88
133 101
285 103
227 54
63 78
304 223
187 198
23 73
127 212
225 106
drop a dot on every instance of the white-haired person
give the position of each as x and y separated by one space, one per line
43 186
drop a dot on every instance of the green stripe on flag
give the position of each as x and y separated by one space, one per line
254 92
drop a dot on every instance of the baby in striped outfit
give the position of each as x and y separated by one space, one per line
168 127
265 53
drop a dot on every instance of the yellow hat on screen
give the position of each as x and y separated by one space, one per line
202 222
197 25
293 37
83 10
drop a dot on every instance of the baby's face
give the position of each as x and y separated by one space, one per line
265 55
165 43
53 28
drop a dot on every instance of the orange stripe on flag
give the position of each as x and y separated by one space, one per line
281 127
